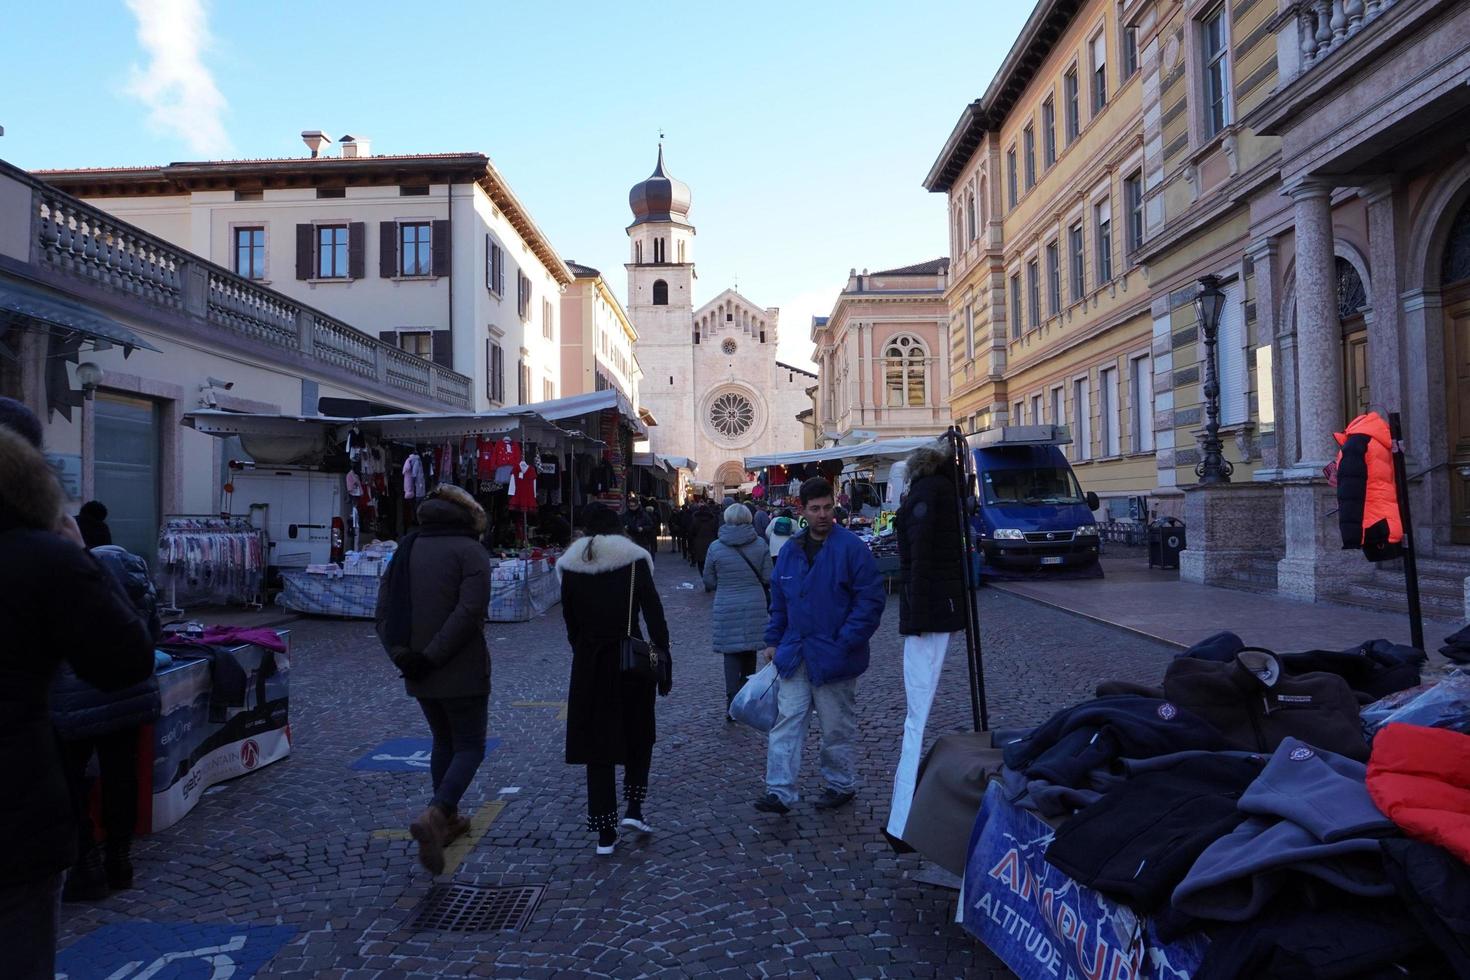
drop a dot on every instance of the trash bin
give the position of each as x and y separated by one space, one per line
1165 541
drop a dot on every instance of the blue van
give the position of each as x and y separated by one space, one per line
1033 514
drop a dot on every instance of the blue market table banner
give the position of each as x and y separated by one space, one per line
1044 924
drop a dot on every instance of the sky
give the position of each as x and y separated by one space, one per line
804 129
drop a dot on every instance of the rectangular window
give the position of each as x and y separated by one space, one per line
1099 73
1081 419
1231 358
1011 195
250 253
1048 132
415 248
324 193
1018 413
496 369
969 330
1036 418
331 251
1141 411
1016 305
1107 382
548 329
1130 51
1058 406
548 390
1033 292
1029 137
1102 215
419 343
1054 279
1069 104
523 298
1074 260
413 190
494 267
1216 61
523 382
1133 209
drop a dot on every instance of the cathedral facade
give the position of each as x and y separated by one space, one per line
710 373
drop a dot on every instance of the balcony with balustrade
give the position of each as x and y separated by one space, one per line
104 263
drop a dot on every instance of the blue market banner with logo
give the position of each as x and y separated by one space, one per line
1044 924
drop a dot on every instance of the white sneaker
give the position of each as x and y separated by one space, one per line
604 851
637 825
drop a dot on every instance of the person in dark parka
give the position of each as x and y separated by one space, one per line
641 525
610 716
704 528
92 522
56 604
931 602
430 617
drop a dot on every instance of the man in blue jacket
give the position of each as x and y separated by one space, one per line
826 602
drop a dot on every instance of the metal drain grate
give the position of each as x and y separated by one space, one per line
467 908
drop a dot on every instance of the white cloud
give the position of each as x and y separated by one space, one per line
175 85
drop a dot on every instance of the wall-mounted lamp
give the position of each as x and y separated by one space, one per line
89 376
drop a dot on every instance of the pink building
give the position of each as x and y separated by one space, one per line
883 356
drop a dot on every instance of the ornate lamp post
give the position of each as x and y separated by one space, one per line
1213 466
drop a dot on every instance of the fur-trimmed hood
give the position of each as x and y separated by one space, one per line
29 494
926 461
610 552
446 496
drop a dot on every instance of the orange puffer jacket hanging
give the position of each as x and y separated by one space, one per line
1367 498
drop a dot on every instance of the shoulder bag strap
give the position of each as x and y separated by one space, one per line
632 587
765 586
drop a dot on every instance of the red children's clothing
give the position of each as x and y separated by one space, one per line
523 487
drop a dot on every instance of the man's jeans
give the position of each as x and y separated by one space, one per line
836 706
458 726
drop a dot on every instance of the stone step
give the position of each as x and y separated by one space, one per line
1436 602
1452 567
1391 578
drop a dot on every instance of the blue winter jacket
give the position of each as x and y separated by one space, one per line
824 614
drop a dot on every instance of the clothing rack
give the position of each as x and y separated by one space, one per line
217 559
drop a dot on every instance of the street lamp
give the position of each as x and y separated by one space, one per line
1213 467
89 376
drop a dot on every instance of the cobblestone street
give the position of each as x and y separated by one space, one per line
317 847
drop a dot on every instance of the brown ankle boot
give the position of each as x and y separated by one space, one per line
431 830
458 827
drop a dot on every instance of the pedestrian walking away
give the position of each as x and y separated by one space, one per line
92 522
827 600
704 528
738 571
430 618
606 587
56 603
641 526
931 602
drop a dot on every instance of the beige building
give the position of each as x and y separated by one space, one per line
1048 307
82 292
597 338
883 356
431 252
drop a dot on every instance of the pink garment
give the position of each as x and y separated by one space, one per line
223 636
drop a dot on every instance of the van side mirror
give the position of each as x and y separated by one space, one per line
1092 502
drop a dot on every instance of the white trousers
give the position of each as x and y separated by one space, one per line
923 659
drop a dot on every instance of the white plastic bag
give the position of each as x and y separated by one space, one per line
755 704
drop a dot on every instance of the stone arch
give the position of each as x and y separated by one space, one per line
1426 247
730 474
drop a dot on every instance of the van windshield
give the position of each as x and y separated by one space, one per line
1042 485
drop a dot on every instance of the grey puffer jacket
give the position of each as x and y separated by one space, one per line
740 613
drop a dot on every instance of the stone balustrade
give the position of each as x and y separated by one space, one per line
1323 26
83 242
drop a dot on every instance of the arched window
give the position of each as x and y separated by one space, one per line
970 216
660 293
1352 301
905 371
1351 296
1457 249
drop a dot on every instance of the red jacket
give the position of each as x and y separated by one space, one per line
1420 778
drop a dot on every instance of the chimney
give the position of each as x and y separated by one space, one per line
314 140
355 146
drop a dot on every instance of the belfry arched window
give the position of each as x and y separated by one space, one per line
905 372
660 293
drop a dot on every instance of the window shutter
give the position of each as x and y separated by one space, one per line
440 247
304 241
444 348
356 250
499 269
1231 358
489 265
388 249
389 337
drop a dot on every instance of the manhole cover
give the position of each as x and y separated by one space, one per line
467 908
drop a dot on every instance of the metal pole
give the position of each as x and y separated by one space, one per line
974 657
1411 562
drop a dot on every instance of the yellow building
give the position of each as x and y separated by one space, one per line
1049 310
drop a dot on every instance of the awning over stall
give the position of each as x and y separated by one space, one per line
889 449
61 314
577 406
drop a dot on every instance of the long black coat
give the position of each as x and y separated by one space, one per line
932 597
704 528
56 603
608 715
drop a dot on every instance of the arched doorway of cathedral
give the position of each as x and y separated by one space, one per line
729 477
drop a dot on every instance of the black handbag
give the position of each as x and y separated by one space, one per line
638 657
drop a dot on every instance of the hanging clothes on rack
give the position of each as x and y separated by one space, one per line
523 487
506 458
413 477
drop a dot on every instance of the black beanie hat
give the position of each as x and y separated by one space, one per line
600 519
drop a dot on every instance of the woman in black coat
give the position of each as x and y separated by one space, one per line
609 715
704 529
931 602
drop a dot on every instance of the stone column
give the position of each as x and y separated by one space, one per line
1385 363
1319 332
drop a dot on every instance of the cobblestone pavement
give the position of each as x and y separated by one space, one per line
718 889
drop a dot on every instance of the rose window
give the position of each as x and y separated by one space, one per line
732 415
728 347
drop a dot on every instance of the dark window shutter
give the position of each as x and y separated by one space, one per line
388 249
489 265
356 250
500 270
444 348
441 245
389 337
305 235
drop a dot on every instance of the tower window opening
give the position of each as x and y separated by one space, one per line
660 293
